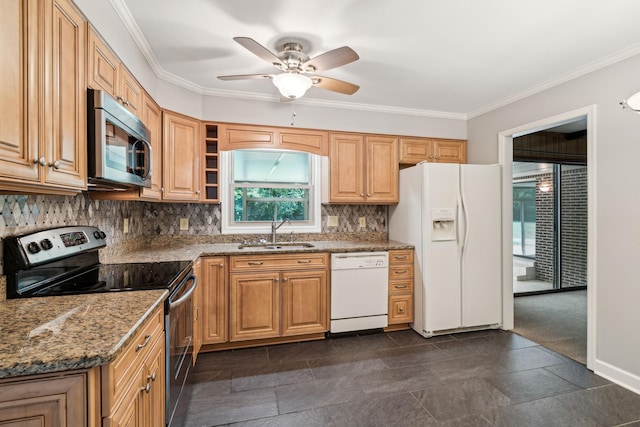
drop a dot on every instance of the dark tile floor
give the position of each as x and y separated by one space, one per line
488 378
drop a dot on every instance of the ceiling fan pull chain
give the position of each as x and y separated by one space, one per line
293 111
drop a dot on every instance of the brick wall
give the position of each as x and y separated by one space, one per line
574 226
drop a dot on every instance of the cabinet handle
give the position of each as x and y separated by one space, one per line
284 279
277 280
401 309
152 377
304 261
144 344
431 157
195 319
400 271
146 389
121 99
361 194
255 263
437 157
368 194
55 165
41 161
399 286
197 191
125 102
222 264
400 257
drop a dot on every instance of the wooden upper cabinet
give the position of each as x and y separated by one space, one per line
235 137
346 168
416 150
67 132
43 107
131 91
151 116
382 169
106 72
363 168
181 157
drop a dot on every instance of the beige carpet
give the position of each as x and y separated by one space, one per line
557 321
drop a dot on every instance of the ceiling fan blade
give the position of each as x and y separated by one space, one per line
260 51
246 77
334 85
332 59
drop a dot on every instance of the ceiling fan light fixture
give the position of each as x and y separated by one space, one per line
292 85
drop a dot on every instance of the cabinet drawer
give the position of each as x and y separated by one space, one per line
402 256
400 309
117 375
279 262
400 272
401 286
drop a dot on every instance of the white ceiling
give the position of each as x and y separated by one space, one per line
446 58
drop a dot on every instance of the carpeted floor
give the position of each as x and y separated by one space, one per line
557 321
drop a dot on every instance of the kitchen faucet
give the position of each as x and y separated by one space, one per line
275 226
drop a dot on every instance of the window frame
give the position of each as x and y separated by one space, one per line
230 226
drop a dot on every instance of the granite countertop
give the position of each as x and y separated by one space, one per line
48 334
193 251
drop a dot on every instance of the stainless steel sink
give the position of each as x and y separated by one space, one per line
279 245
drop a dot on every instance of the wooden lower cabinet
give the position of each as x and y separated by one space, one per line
214 290
48 400
401 281
133 386
278 296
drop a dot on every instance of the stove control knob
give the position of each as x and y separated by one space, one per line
98 234
46 244
33 248
103 235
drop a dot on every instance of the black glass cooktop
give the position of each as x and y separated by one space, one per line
70 279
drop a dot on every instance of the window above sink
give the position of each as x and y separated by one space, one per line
264 185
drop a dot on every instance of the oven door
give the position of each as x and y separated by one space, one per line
179 348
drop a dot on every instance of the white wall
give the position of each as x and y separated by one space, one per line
617 206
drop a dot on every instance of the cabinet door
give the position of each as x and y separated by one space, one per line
130 91
153 403
400 309
234 137
304 302
20 100
254 306
449 151
304 140
152 119
382 169
214 304
103 65
55 401
181 157
415 150
346 168
65 135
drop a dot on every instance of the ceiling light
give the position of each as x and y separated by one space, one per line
633 103
292 85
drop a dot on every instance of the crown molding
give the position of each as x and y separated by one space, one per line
615 57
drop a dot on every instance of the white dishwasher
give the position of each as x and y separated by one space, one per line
359 291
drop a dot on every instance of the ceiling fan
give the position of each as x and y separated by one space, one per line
298 69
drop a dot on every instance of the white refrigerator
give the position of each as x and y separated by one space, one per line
451 213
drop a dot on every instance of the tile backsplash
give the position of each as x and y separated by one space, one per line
25 213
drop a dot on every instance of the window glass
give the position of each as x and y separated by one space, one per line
268 185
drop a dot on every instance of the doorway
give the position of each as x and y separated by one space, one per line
524 194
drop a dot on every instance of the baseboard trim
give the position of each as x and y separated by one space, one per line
614 374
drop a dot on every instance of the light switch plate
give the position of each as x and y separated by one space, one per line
362 222
332 221
184 224
125 226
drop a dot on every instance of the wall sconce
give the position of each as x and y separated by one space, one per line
545 188
632 103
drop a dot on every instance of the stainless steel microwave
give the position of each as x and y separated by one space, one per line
119 151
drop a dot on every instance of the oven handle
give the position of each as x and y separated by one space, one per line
187 295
